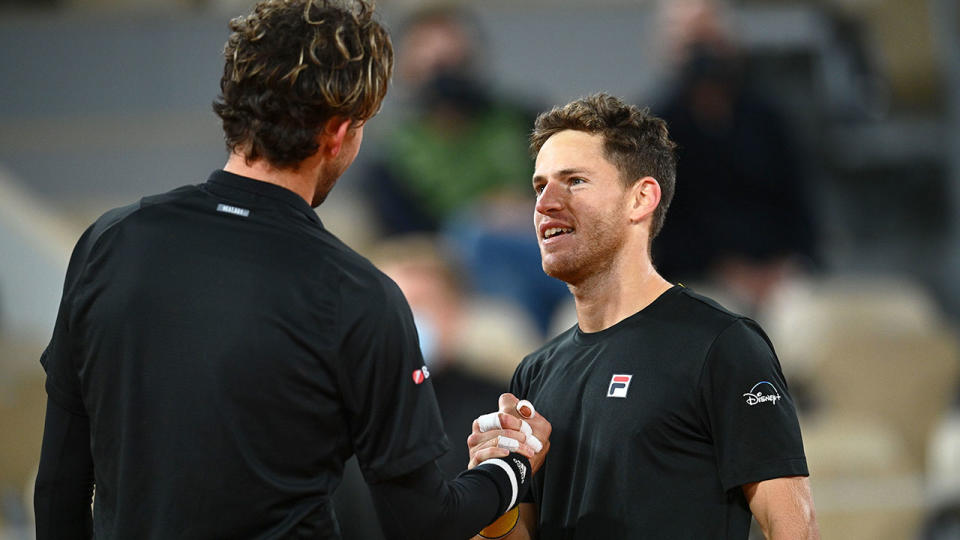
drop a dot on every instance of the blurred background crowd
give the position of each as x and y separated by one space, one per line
818 192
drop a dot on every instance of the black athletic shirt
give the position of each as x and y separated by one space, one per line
657 422
231 354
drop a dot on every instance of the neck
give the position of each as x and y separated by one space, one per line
617 292
302 180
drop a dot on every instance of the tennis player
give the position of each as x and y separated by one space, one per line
219 354
670 415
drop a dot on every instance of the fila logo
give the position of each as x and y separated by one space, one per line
420 375
619 384
522 468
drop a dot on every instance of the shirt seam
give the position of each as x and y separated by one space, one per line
83 280
341 331
706 357
63 400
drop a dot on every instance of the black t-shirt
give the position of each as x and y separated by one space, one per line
231 354
658 421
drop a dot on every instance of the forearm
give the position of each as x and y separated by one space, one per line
783 507
424 505
64 486
799 525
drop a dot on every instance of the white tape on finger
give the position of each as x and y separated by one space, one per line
524 404
525 427
534 443
488 422
507 443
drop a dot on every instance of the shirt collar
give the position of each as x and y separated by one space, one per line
260 191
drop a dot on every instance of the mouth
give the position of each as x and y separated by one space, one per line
554 232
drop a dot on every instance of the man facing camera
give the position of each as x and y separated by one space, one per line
670 415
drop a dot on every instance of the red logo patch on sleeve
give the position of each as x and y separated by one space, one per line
420 375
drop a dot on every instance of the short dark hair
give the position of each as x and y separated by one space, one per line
635 141
291 65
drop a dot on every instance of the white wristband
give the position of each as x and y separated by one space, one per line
512 476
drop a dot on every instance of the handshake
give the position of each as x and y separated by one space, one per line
516 427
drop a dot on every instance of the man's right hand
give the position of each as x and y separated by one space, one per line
485 443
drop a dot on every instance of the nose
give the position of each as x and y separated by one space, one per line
550 198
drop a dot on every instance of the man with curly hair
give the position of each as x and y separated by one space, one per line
218 354
671 417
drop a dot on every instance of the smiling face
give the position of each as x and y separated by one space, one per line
581 215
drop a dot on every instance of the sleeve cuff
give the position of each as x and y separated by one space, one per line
765 470
69 403
407 463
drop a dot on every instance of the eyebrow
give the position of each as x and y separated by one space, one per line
563 172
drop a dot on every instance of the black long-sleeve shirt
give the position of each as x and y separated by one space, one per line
217 356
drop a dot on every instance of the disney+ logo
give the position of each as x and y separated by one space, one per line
757 396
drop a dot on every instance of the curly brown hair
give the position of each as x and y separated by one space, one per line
291 65
635 141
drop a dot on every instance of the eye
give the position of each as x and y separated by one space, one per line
575 180
538 188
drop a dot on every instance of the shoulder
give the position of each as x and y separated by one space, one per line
703 317
699 326
701 306
355 270
132 211
534 362
119 216
727 324
728 340
362 286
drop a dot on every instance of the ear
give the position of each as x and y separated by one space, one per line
333 134
644 199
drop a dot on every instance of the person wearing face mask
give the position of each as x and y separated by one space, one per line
455 164
425 177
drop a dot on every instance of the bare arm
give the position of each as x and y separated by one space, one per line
783 507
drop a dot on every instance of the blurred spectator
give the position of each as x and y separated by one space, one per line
740 216
431 287
459 164
462 146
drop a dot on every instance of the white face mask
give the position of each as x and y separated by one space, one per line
427 332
